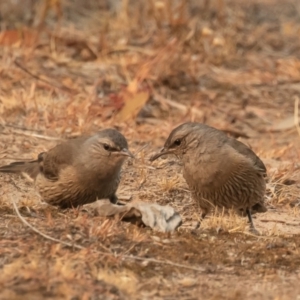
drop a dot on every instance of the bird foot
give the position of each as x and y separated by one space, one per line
254 230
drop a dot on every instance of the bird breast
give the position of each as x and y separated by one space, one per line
226 179
208 170
73 186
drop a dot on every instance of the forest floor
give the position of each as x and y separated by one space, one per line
144 69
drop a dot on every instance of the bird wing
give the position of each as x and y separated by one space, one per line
62 155
246 151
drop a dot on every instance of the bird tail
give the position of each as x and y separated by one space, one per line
31 168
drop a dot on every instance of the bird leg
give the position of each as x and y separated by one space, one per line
252 227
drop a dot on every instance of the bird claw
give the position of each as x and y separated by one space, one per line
254 231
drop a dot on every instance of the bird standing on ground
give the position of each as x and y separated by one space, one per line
78 171
220 171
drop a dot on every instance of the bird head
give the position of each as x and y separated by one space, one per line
109 143
187 137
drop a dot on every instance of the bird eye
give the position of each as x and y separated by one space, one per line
106 147
177 142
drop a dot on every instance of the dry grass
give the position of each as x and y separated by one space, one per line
69 67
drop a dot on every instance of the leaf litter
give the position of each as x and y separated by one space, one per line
69 67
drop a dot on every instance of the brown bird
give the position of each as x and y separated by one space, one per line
220 171
78 171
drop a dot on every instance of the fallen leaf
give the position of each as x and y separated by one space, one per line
25 37
285 124
159 218
133 103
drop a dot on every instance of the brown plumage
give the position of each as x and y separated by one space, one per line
220 171
78 171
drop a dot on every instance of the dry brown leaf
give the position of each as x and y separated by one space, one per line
285 124
24 36
133 103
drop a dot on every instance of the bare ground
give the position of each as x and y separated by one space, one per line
235 67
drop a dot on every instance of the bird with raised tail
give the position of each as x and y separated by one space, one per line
78 171
220 171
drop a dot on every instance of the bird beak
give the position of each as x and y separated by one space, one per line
162 152
126 152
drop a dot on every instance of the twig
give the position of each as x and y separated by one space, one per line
296 115
23 131
179 106
48 237
163 262
141 149
40 136
131 257
131 48
14 126
280 221
55 85
258 236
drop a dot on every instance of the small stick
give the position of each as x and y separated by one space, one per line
56 85
36 135
131 257
296 114
48 237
